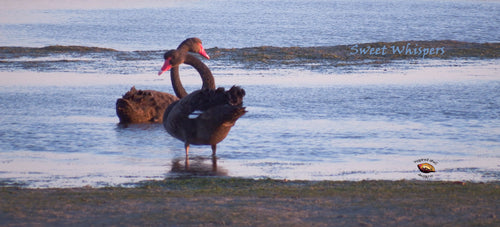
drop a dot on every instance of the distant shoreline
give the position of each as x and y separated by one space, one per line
62 58
444 49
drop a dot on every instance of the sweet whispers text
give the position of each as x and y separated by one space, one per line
407 49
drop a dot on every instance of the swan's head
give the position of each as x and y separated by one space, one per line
202 51
193 45
172 58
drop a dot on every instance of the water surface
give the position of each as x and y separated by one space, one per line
157 26
322 119
367 125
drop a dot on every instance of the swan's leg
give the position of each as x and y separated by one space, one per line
214 163
186 147
214 149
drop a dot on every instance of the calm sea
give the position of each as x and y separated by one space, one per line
159 25
58 126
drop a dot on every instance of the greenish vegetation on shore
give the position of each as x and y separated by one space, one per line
262 57
356 54
247 202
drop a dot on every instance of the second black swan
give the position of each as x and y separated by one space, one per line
148 106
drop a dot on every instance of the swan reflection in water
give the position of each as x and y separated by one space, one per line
196 166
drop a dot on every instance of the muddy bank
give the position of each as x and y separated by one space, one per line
357 54
96 59
244 202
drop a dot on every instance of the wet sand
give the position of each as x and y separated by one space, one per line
245 202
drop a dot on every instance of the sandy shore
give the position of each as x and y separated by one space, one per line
243 202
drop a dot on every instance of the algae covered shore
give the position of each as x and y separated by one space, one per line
247 202
355 54
324 58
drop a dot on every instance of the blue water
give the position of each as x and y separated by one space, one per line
58 126
228 24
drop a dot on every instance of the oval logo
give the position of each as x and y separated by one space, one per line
426 168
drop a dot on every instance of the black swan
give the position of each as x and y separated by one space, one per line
146 106
205 116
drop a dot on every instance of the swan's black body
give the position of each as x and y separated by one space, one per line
205 116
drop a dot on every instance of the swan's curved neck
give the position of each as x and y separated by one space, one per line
203 70
179 90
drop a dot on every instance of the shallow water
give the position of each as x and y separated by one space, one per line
367 125
315 121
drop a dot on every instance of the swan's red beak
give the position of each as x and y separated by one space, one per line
166 66
203 52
